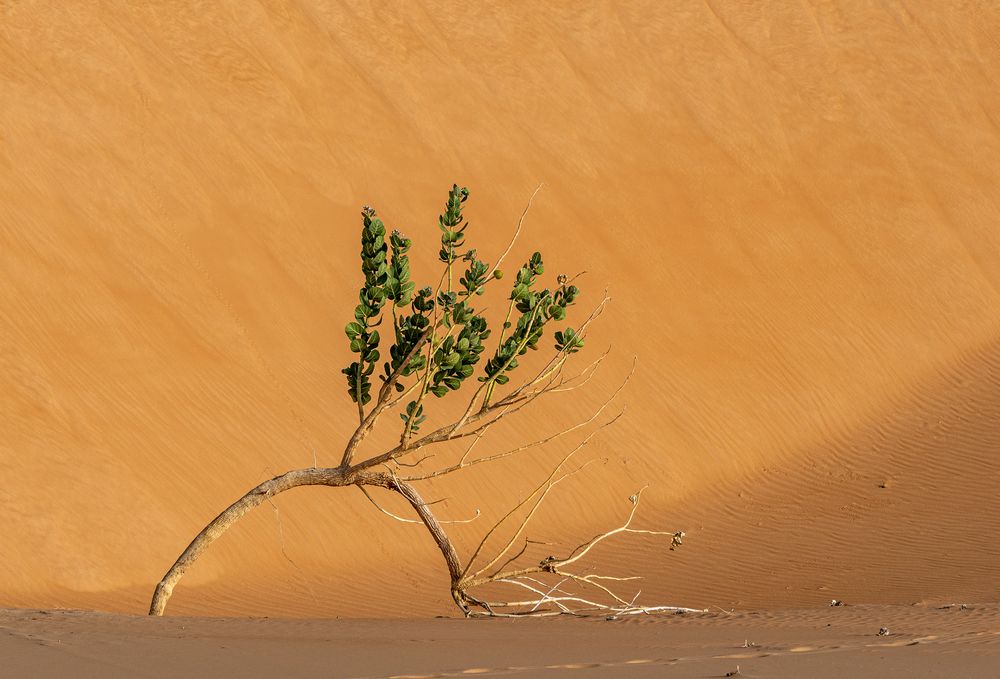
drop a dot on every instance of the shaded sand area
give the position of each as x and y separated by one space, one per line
795 206
921 642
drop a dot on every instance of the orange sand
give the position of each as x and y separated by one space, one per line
795 206
826 643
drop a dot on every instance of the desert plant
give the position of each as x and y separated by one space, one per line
438 338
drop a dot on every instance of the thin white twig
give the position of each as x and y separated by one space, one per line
405 520
517 232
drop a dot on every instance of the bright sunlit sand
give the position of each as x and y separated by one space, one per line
795 208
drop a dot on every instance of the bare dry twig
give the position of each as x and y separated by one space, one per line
401 519
567 602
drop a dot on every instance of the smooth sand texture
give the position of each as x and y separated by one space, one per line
796 207
819 643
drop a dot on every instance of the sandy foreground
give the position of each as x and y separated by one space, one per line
796 210
922 641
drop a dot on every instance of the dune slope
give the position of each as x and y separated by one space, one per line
794 207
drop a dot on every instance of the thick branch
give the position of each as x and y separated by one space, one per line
433 525
305 477
232 514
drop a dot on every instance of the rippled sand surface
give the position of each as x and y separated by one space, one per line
795 207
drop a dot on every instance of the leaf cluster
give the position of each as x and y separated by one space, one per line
446 320
537 308
364 338
452 224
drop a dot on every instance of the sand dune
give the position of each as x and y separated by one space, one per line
794 206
